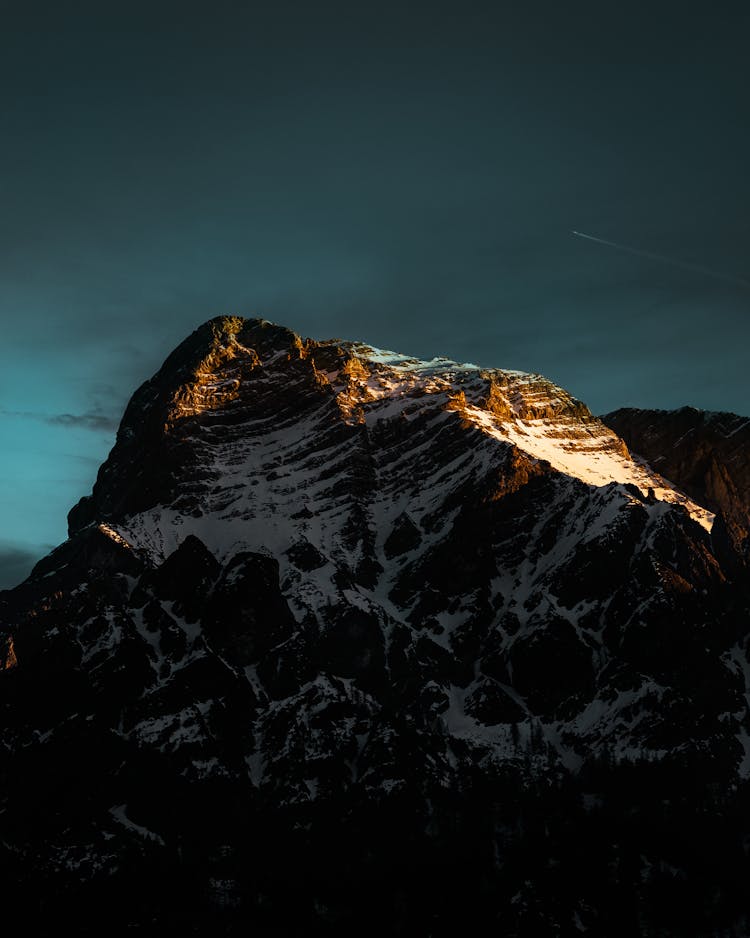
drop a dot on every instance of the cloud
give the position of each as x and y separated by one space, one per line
92 420
95 420
16 563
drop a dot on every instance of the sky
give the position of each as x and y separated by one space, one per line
407 174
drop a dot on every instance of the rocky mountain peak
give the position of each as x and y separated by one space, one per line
336 603
234 372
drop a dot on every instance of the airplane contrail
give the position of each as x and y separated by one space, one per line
675 262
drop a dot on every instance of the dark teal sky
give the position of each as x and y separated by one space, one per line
403 174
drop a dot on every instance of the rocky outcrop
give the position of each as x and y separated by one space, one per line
705 453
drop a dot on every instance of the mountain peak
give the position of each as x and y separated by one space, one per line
250 372
316 580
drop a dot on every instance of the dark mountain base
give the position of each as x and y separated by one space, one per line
633 850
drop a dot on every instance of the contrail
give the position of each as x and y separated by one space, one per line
696 268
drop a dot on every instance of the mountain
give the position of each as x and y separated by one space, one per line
706 453
344 641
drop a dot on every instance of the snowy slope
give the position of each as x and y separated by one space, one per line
257 481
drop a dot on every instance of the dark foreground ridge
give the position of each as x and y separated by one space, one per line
348 643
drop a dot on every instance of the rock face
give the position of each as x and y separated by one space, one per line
707 454
346 641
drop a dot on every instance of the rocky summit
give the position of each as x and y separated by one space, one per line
345 642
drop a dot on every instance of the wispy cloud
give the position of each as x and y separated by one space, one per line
91 420
95 420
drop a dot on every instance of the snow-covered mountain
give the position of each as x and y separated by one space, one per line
320 585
